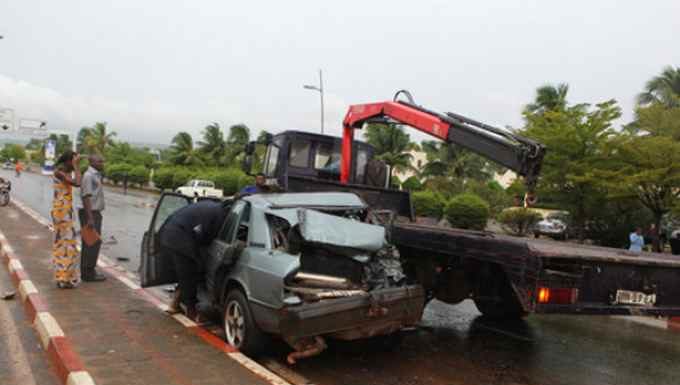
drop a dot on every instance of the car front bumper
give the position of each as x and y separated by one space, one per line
381 312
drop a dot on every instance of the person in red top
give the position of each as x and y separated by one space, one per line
18 167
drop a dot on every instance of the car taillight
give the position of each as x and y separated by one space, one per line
560 296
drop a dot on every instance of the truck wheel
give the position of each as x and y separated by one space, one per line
240 328
497 298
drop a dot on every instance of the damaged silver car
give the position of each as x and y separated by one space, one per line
302 266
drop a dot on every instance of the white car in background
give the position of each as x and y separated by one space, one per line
8 166
554 225
196 188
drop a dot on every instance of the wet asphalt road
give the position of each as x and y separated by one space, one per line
452 345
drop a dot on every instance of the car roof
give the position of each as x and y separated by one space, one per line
314 199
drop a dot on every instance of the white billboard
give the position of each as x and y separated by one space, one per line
6 120
33 127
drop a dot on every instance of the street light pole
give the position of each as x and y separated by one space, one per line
321 93
320 90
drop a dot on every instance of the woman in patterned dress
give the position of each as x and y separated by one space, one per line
65 255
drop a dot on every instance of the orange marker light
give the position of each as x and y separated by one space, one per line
543 295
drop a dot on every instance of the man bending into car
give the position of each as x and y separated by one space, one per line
181 237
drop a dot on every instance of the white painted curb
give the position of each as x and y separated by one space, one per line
26 287
47 328
79 378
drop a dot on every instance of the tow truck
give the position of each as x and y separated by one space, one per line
506 277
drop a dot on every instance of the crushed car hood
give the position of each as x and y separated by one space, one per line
320 228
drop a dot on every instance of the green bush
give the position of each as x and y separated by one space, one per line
228 180
428 204
181 176
116 171
163 178
492 192
138 175
518 221
467 211
412 184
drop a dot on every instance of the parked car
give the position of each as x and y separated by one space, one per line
8 166
302 266
554 225
200 188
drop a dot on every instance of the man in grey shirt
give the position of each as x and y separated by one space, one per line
92 195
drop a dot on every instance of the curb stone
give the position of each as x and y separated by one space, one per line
59 350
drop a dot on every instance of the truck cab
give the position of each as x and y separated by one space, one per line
306 162
304 154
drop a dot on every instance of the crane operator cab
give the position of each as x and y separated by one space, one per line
291 157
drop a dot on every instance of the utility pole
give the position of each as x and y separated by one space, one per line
320 90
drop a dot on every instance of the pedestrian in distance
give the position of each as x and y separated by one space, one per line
637 241
65 259
181 237
652 238
18 167
90 215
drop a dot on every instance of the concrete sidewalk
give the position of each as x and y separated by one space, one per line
117 335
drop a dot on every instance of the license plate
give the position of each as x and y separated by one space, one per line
627 297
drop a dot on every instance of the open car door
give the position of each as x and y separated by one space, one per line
154 269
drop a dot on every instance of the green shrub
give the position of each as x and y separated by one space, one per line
518 221
116 171
181 176
138 175
163 178
412 184
228 180
467 211
492 192
428 204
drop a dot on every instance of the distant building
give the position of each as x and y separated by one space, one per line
418 161
505 179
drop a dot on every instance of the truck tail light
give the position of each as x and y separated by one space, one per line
559 296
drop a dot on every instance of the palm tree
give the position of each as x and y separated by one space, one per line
664 89
213 145
239 136
95 139
549 98
452 161
392 145
182 150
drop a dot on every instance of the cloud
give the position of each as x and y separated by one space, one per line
151 120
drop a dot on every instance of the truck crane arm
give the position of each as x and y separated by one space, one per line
521 155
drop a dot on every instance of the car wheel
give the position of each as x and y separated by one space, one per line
240 329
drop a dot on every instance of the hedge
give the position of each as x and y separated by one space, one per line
518 220
467 211
230 180
428 204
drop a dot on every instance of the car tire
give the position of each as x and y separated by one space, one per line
240 329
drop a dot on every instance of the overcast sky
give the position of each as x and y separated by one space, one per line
153 68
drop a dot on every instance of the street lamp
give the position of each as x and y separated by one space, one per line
320 90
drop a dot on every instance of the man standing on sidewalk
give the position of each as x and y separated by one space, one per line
92 194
